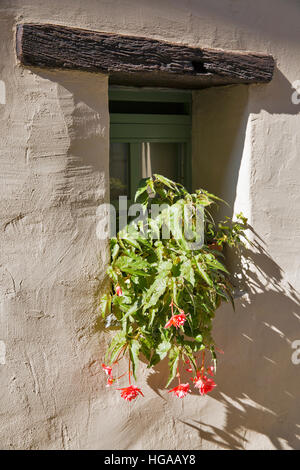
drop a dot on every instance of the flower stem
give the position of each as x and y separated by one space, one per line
129 373
117 378
122 350
202 365
178 375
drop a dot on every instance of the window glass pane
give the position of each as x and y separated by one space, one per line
162 158
118 170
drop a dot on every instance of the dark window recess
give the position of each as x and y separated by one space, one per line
146 107
119 170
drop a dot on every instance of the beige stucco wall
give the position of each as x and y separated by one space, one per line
54 173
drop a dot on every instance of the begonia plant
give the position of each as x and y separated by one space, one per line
165 290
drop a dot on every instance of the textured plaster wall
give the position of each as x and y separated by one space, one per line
54 173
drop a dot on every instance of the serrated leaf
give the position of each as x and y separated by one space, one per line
214 263
112 274
163 348
155 292
133 264
115 251
204 274
187 271
142 188
162 179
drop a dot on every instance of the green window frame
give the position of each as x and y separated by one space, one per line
138 128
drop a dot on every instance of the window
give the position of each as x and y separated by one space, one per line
150 133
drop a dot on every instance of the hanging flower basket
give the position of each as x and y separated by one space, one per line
165 290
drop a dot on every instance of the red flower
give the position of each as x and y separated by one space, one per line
130 393
110 381
211 370
176 320
107 369
119 291
204 384
181 390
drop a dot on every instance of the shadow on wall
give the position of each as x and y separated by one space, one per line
258 385
220 120
83 102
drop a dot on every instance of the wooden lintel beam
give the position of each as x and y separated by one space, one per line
131 60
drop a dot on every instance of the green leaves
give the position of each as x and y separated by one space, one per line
105 305
187 271
133 264
134 349
155 291
163 348
142 189
116 345
173 364
154 272
203 272
162 179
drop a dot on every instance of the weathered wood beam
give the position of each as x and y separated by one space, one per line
137 60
